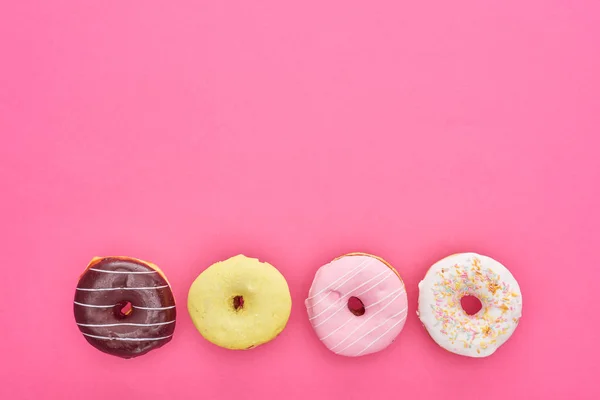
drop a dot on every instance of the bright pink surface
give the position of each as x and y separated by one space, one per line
187 132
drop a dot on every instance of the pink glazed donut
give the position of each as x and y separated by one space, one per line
357 304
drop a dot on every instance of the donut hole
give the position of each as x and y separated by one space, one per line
238 303
470 304
356 306
123 309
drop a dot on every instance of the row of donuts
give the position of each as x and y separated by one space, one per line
357 304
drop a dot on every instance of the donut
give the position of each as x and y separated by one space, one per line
357 304
124 306
469 274
240 303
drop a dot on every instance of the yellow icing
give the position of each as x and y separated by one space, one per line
265 311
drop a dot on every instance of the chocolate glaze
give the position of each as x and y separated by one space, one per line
153 327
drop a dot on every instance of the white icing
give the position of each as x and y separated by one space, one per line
125 339
124 324
153 308
123 288
440 311
123 272
114 305
95 306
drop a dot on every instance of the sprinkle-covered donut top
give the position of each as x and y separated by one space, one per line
469 274
124 306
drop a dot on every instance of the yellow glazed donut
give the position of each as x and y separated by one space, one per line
240 303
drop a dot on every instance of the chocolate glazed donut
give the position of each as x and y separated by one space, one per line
124 306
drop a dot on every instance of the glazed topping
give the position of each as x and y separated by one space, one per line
458 281
464 275
239 303
357 305
124 307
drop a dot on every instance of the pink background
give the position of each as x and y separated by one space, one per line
187 132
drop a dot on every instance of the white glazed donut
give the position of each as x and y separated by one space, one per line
469 274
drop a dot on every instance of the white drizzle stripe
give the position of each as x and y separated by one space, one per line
123 288
123 272
380 336
349 294
375 285
342 307
383 298
114 305
350 319
374 329
125 339
367 320
95 306
342 284
340 278
124 324
338 328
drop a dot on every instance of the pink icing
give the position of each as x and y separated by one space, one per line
381 292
